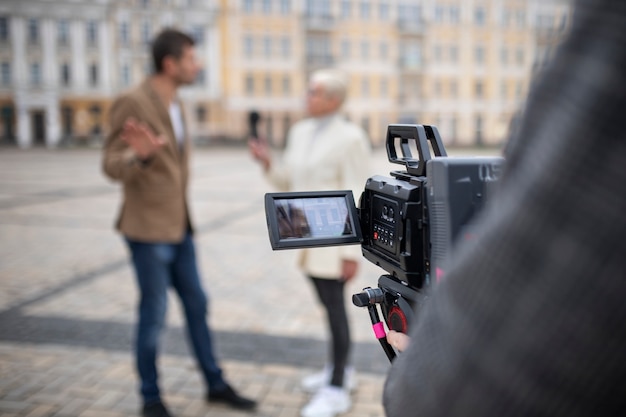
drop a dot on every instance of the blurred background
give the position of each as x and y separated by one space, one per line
462 65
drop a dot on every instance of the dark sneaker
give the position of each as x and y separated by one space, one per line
155 410
229 397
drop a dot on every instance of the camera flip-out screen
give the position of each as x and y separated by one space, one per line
310 219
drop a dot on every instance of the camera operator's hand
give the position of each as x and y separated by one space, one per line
260 151
398 340
348 269
141 138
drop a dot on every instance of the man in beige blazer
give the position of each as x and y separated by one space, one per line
325 152
148 152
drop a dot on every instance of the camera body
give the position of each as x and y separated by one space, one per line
411 221
407 224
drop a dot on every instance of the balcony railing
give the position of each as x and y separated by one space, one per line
320 60
319 22
411 27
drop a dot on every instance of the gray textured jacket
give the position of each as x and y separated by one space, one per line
531 320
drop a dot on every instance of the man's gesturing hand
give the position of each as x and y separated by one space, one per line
141 138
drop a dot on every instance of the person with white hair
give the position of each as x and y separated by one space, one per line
325 152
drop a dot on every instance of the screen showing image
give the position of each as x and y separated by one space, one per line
322 217
308 219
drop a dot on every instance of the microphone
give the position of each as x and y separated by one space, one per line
253 120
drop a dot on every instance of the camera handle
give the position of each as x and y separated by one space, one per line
379 331
421 134
369 298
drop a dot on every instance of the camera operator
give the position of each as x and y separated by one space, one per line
529 318
325 152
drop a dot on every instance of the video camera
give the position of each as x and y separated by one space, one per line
406 224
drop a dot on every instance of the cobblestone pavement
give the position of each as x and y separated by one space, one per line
67 296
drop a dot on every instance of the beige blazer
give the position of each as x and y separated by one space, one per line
154 207
324 154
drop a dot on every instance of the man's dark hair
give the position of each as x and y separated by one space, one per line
170 42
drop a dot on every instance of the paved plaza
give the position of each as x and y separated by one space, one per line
67 295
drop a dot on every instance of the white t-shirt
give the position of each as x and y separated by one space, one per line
176 117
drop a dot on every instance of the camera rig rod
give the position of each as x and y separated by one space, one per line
370 298
379 331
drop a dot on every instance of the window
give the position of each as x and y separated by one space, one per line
409 13
93 75
124 33
439 13
479 89
453 128
268 85
197 34
345 48
411 54
384 50
92 32
125 75
200 113
383 10
285 46
346 9
285 6
478 122
35 74
200 77
480 15
479 55
146 32
65 74
364 10
248 6
5 73
248 45
267 46
249 85
454 54
267 6
437 88
33 31
4 28
63 32
454 89
318 7
365 87
518 90
286 85
519 56
504 56
437 53
384 87
455 14
365 50
520 18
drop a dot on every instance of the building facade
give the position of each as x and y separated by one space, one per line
462 65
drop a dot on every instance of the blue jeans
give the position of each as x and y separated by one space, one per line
158 266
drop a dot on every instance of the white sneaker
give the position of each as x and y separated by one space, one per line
328 402
314 382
